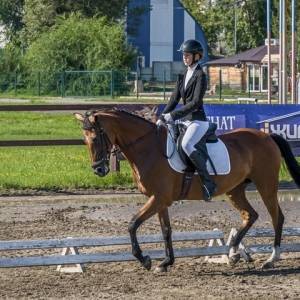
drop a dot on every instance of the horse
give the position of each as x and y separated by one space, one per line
255 157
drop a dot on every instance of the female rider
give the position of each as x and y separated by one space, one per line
190 87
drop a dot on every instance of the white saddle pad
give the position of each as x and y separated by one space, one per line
217 152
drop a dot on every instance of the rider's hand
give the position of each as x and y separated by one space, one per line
167 117
160 123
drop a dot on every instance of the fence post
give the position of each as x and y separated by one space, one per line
164 88
39 83
62 83
248 82
112 88
137 85
114 162
220 84
16 80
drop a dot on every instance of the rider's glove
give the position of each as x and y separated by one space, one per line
159 122
167 117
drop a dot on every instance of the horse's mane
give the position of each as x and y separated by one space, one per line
92 111
141 117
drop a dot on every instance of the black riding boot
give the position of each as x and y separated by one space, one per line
209 187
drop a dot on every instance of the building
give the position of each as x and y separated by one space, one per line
247 70
165 28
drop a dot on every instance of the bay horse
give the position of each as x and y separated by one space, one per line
254 156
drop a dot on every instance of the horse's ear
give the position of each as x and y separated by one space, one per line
79 117
93 119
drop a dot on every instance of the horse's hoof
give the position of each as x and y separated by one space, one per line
234 259
147 263
160 269
267 265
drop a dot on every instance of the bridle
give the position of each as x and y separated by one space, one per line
101 166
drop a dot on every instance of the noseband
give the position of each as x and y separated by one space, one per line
101 165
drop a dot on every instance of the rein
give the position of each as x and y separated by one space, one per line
156 129
87 125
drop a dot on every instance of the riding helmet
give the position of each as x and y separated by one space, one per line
191 46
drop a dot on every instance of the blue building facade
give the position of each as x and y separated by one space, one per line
164 29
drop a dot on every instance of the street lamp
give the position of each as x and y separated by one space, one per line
235 9
235 27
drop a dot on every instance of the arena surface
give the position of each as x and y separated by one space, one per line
52 216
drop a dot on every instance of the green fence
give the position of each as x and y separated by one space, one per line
68 83
110 84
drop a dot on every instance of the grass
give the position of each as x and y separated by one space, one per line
38 126
54 167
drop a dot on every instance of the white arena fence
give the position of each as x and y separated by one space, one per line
216 251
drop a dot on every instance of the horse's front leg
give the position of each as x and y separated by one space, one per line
151 207
164 220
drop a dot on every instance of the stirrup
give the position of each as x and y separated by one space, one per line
208 194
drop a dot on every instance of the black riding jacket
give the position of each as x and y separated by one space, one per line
192 97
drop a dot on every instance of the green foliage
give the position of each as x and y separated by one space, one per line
218 22
210 18
75 43
11 13
135 18
41 15
11 58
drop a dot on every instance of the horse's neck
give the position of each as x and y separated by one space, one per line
135 142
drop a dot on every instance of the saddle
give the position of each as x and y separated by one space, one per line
209 137
212 148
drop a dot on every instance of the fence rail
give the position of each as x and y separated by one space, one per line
79 84
112 255
114 163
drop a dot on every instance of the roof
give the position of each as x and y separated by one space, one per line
280 117
252 55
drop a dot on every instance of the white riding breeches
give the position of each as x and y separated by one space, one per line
194 133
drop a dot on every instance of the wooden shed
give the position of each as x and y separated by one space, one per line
245 71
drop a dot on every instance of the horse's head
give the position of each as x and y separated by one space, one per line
97 141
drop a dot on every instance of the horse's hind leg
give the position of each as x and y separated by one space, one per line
270 199
237 198
164 220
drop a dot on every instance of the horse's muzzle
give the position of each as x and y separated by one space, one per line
101 167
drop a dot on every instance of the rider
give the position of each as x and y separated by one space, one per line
190 87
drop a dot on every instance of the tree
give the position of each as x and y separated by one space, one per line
218 22
76 43
11 59
11 13
209 18
40 15
134 16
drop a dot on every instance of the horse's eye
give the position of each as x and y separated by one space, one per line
95 139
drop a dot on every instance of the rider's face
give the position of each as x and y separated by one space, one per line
188 58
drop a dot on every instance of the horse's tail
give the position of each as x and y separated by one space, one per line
288 156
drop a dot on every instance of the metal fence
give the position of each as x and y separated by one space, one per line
67 83
80 84
106 84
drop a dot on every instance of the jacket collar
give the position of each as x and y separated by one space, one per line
193 77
